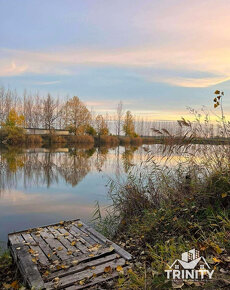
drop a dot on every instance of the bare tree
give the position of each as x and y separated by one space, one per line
120 114
50 112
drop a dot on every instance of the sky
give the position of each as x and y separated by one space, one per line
158 57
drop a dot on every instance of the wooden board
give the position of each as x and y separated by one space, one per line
67 255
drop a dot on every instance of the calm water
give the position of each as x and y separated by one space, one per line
41 186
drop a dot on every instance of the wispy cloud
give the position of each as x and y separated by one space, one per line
215 61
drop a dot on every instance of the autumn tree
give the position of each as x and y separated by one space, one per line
128 126
77 116
101 126
12 131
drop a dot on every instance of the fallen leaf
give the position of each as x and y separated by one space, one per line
15 285
73 243
34 260
224 195
79 225
18 248
6 286
216 260
60 248
46 273
82 282
74 262
94 275
61 222
119 268
69 252
111 248
93 267
108 269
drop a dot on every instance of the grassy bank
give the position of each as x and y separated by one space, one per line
169 206
158 221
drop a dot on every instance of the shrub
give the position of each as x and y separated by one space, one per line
124 140
136 141
108 140
81 139
12 135
34 140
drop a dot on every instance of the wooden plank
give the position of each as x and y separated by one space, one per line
15 239
29 269
54 244
81 245
37 250
89 254
97 280
104 240
86 258
34 229
64 240
72 279
82 266
85 235
45 247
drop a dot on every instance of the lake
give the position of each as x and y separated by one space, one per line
41 186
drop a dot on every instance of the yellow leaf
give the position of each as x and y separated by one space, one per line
216 260
31 251
60 248
130 270
91 255
79 225
49 255
34 260
224 195
15 285
46 273
69 252
75 262
108 269
61 222
6 286
82 282
93 267
66 234
119 268
73 243
94 275
111 248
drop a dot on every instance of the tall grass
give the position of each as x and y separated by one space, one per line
179 202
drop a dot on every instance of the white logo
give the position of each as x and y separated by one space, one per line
192 266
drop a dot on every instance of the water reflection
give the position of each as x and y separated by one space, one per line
40 186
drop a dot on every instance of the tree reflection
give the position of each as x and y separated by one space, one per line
47 166
44 167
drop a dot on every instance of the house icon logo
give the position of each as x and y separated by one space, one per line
191 266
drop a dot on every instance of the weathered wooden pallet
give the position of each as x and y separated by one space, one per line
67 255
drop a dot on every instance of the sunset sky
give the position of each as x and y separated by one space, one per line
156 56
